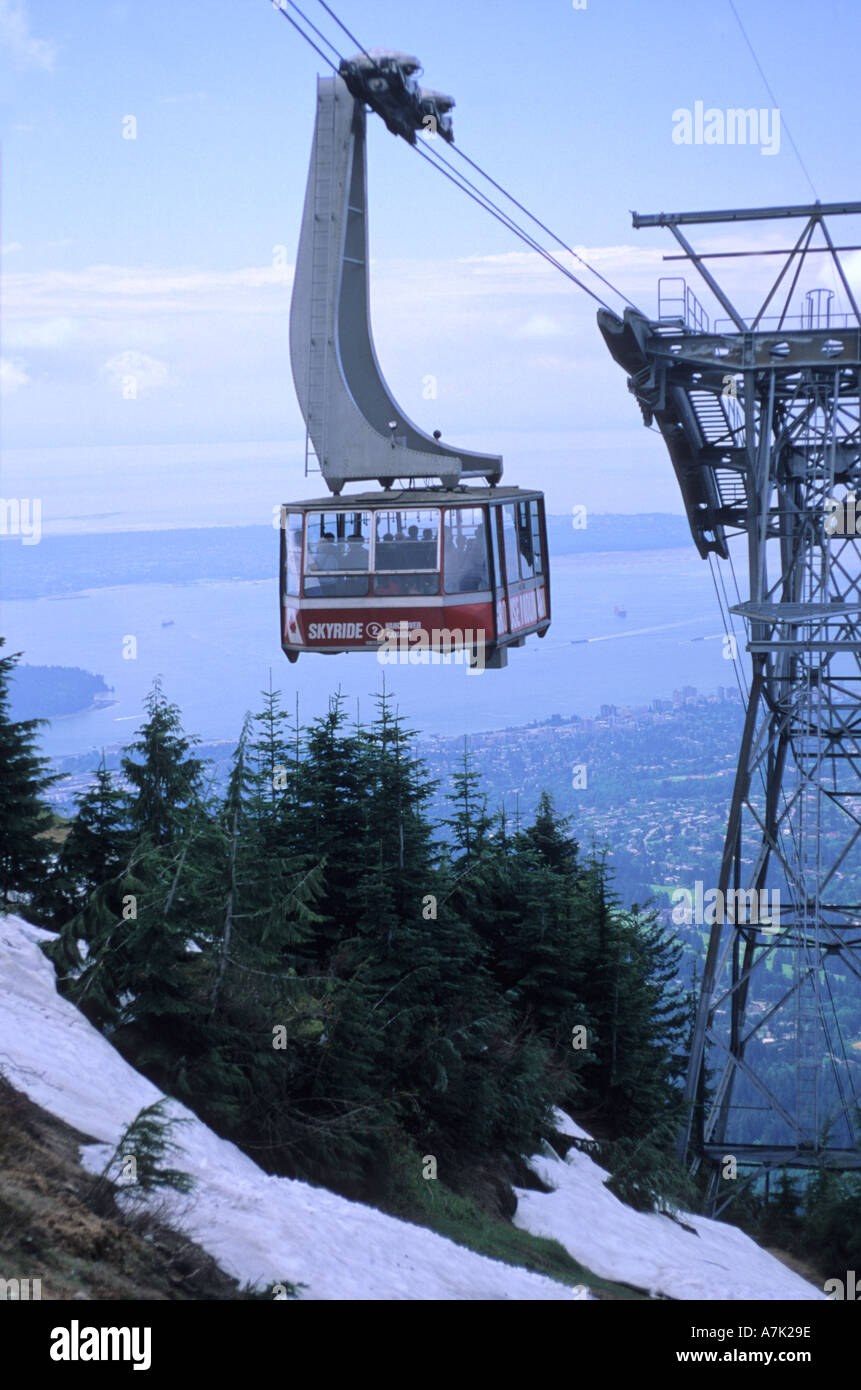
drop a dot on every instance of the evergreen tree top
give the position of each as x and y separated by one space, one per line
550 835
24 778
168 780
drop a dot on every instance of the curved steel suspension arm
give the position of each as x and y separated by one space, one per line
358 430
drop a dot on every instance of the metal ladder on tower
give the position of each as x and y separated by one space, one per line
713 417
321 261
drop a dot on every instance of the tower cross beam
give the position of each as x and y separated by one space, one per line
769 214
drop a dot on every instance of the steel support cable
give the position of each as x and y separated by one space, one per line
784 122
278 4
460 181
351 37
842 1040
510 196
467 187
543 226
775 102
740 673
741 680
727 622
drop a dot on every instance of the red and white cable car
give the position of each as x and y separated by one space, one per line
430 568
433 568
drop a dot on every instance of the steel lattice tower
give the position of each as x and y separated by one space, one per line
761 419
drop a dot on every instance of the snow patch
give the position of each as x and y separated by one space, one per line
259 1228
645 1249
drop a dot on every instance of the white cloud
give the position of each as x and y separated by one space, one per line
12 376
541 326
15 35
117 290
39 333
135 372
10 248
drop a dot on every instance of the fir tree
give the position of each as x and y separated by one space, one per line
536 945
24 816
271 886
780 1221
451 1051
639 1011
265 1022
328 818
144 978
270 773
232 822
137 940
166 783
138 1158
97 845
470 820
549 836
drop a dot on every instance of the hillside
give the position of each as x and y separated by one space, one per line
265 1230
50 1232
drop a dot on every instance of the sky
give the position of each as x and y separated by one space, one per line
169 255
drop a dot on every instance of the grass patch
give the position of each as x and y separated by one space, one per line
429 1202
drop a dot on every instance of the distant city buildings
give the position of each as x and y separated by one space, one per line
685 696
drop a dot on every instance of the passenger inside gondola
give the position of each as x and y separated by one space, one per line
406 556
356 553
336 568
466 563
319 551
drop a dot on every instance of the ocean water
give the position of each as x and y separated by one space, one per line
221 646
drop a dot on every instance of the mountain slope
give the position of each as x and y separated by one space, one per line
266 1230
260 1229
52 1231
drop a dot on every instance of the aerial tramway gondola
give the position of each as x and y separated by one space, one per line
467 568
454 566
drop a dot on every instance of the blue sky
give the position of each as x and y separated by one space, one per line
157 252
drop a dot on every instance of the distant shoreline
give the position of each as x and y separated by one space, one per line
73 566
95 704
620 714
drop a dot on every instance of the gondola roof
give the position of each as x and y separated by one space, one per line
412 497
